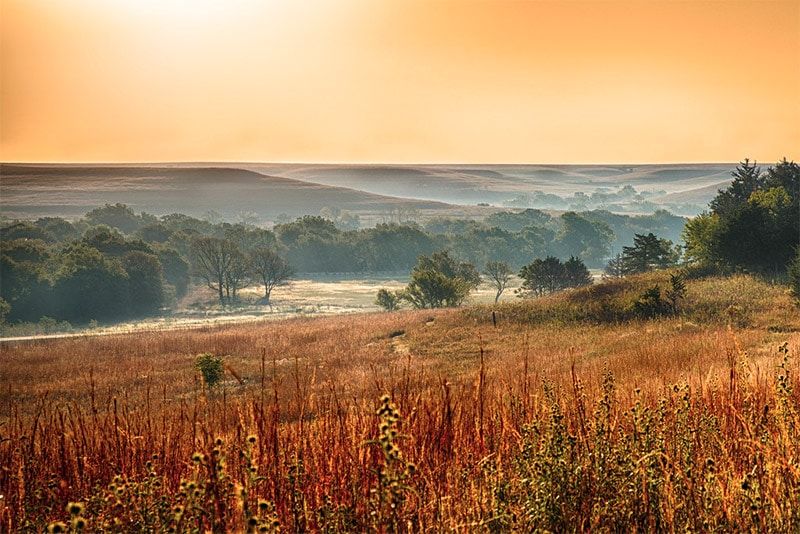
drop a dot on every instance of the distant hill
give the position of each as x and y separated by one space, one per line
72 190
469 184
268 190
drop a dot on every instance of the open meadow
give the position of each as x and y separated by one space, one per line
566 415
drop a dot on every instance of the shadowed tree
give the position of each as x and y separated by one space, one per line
648 252
145 282
440 281
212 261
615 268
576 274
499 272
388 300
237 276
270 268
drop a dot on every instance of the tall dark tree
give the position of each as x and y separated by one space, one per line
212 260
584 239
648 252
90 285
145 282
542 276
270 269
754 223
576 274
117 216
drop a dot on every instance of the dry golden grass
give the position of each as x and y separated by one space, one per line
514 427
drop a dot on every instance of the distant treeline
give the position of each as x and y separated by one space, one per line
115 263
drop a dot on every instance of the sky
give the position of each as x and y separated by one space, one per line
399 81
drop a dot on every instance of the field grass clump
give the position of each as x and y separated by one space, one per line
739 299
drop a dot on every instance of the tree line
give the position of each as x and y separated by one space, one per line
115 263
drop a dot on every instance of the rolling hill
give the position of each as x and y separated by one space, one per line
72 190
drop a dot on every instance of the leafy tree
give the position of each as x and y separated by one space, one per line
24 230
60 229
548 275
388 300
155 233
515 222
26 250
753 223
576 274
117 216
648 252
89 285
499 273
579 237
440 281
270 268
145 282
698 234
542 276
176 269
24 286
111 243
212 260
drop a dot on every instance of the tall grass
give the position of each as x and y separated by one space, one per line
654 426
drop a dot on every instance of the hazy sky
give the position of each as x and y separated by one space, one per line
399 80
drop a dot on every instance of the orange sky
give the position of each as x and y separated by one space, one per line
399 80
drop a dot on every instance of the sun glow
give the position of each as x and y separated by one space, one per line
398 80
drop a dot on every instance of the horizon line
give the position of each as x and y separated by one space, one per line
366 163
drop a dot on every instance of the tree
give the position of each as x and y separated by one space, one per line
145 282
615 268
440 281
213 259
753 224
270 268
176 269
576 274
499 272
388 300
548 275
117 216
584 239
648 252
747 179
25 287
90 285
542 276
443 262
698 234
237 276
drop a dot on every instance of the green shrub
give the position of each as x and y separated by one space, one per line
388 300
211 367
650 305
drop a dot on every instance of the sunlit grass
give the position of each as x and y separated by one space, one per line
561 423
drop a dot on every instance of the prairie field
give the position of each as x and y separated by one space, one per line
560 415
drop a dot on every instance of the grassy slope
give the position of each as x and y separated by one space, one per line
467 423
